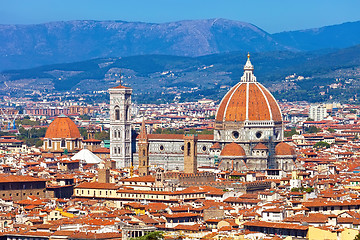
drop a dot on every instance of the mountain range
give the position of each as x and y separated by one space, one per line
27 46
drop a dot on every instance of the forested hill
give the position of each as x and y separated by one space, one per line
320 75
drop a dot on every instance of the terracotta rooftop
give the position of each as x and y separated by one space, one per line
248 101
275 225
232 149
260 146
97 185
148 178
19 178
62 127
283 149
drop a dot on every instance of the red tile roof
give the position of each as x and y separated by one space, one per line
62 127
232 149
97 185
19 178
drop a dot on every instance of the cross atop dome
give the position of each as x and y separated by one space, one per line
248 75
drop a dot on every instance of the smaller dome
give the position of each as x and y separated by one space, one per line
232 149
62 127
216 146
283 149
260 146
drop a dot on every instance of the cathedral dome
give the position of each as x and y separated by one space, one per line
62 127
232 149
248 100
284 149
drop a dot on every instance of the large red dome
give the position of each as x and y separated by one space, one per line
248 100
62 127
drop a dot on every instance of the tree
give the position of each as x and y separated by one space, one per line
39 143
31 136
83 133
157 235
27 121
321 144
289 134
102 135
331 130
313 129
357 237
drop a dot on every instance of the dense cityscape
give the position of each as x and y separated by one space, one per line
245 167
179 120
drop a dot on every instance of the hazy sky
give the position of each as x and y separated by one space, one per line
270 15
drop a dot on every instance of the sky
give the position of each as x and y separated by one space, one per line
270 15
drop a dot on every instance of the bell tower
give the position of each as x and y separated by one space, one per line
120 126
190 153
143 145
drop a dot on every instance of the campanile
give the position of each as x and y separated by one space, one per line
120 126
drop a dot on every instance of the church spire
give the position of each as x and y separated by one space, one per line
248 75
143 134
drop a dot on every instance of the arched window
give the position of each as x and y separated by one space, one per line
62 143
119 150
49 143
115 152
115 134
143 163
117 114
188 148
143 152
126 113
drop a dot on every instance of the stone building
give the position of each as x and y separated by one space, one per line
248 128
143 151
18 187
120 126
249 118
